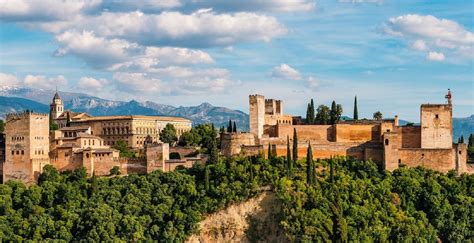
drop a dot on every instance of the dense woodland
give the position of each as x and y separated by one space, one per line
338 200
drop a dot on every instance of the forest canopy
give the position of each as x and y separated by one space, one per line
322 200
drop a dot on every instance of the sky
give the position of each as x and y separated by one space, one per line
392 54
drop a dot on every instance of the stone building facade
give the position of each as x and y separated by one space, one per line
132 129
26 146
84 141
384 141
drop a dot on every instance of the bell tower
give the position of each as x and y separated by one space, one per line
56 107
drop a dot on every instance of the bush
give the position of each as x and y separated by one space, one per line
175 155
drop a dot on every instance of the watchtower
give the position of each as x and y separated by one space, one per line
26 146
257 114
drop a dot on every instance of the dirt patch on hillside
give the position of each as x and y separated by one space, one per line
254 220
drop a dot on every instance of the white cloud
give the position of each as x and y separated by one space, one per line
435 56
8 80
255 5
43 10
419 45
43 82
137 82
202 28
117 54
313 83
432 34
284 71
91 84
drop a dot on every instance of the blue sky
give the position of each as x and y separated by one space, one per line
394 55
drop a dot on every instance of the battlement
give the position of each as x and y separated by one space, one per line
257 96
23 115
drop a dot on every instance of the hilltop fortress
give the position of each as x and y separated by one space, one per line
385 142
84 141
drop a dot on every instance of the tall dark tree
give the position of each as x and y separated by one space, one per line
356 112
229 127
207 175
461 139
471 141
269 152
333 113
308 114
212 149
309 166
234 128
288 155
312 113
295 146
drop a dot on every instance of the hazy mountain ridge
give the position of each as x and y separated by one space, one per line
79 102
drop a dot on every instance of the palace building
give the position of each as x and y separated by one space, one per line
385 142
27 144
131 129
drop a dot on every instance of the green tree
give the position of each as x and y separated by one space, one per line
269 152
2 126
213 152
189 138
115 170
323 116
461 139
309 166
356 112
168 134
123 149
378 115
335 113
207 175
234 128
295 147
288 156
229 127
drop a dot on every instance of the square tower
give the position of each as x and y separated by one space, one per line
26 146
256 114
436 126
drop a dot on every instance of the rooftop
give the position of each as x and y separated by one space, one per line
131 117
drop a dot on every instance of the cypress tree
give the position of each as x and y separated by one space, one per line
251 171
312 111
207 173
274 152
213 153
288 155
333 113
308 114
471 141
309 165
269 152
461 139
295 147
229 127
356 112
234 129
331 170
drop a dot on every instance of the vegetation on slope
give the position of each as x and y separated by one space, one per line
354 202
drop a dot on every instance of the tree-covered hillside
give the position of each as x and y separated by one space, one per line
340 200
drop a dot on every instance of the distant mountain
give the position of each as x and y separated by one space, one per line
14 104
463 126
95 106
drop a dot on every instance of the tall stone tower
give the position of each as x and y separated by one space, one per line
256 114
26 146
56 107
436 126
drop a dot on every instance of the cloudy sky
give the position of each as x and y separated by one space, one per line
392 54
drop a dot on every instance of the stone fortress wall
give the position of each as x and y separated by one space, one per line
383 141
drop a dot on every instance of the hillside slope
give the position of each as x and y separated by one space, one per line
251 221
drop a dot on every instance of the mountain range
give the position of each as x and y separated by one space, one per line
14 99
